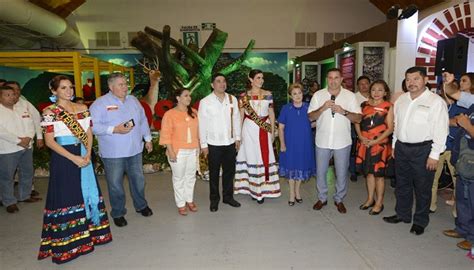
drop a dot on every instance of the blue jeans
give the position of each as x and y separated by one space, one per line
465 208
341 163
23 160
114 171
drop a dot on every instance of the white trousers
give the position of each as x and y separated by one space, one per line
184 176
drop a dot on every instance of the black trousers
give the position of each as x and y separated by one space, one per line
221 156
412 175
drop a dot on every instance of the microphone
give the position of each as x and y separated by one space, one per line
333 98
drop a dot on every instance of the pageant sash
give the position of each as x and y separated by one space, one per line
252 115
70 123
264 129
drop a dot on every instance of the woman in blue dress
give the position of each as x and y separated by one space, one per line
74 219
297 161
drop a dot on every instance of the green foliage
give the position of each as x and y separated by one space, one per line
41 158
36 90
277 85
158 155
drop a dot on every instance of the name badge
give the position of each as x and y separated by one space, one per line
112 108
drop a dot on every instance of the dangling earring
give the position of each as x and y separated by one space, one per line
53 98
73 97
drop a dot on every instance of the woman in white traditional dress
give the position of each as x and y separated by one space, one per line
256 169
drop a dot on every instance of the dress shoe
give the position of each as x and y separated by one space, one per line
464 245
12 208
417 229
192 207
213 207
290 203
319 204
32 200
365 207
146 212
120 222
374 213
182 211
232 203
394 219
432 211
298 200
452 233
34 193
340 207
261 201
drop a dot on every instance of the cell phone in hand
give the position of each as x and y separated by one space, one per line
129 123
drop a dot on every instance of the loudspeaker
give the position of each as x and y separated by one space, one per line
451 55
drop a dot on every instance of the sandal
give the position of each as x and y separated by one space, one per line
182 211
192 207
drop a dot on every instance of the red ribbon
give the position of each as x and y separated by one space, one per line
265 152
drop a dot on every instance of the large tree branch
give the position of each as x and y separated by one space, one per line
234 65
176 68
187 51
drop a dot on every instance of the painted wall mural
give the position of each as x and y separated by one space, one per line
235 65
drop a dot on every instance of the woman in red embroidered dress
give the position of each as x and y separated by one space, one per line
256 169
75 219
374 146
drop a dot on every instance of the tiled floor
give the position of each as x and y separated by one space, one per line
268 236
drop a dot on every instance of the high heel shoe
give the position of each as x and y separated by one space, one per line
299 200
365 207
374 213
290 203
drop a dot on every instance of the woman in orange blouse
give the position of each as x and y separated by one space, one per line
179 132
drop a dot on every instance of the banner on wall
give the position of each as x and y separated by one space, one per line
298 74
347 64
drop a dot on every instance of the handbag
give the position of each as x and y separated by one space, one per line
445 179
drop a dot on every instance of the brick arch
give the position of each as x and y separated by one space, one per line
447 23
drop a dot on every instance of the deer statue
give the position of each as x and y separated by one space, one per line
152 69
